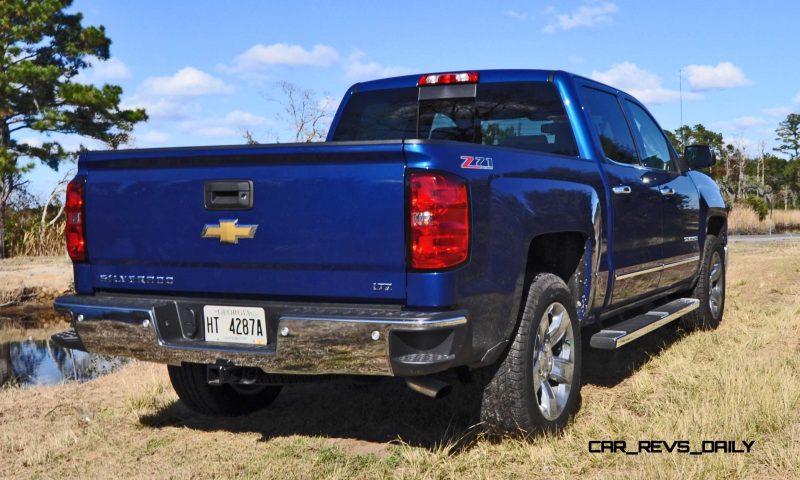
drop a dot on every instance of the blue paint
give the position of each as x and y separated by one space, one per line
332 218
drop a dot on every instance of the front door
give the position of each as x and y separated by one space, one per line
635 246
680 201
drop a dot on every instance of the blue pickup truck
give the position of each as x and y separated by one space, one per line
484 223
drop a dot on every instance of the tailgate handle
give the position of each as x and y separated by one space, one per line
229 195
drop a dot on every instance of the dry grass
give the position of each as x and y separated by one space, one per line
740 382
786 220
39 240
742 220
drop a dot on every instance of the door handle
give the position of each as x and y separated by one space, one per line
667 191
228 195
621 190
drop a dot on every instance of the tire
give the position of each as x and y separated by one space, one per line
710 289
191 384
514 399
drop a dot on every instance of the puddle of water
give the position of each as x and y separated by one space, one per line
42 362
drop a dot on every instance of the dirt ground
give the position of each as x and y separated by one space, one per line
45 276
739 382
28 286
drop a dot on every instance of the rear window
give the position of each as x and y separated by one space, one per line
520 115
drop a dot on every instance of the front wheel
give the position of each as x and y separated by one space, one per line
710 288
537 384
190 382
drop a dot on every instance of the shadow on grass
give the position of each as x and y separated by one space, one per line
385 410
380 411
607 368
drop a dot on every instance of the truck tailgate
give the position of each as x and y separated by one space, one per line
330 221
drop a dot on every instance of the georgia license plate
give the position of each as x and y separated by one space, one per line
247 325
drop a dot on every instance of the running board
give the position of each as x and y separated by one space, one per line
629 330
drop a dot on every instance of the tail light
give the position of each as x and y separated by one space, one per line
75 230
447 78
439 219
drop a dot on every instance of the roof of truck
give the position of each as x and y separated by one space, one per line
486 76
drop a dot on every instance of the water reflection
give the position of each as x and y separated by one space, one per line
42 362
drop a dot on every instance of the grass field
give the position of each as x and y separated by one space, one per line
740 382
742 220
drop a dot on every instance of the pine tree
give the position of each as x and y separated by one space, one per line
42 49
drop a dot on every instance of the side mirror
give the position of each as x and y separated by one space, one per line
699 156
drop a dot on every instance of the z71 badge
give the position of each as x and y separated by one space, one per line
477 163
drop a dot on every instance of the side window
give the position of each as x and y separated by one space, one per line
608 119
655 146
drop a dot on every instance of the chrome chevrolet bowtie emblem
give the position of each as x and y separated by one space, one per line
229 231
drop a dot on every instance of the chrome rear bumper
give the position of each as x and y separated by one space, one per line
302 338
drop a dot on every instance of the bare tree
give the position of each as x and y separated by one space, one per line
307 113
58 191
249 137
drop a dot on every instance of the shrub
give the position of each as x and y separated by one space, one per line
759 205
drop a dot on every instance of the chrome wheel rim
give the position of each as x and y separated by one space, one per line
716 285
553 361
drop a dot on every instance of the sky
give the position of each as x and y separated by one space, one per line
206 70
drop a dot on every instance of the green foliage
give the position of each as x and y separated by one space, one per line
759 205
42 49
697 135
788 133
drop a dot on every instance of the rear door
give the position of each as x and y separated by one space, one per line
326 221
636 205
680 201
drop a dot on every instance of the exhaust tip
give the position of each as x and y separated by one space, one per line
429 386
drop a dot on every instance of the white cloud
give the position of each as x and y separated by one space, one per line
516 15
111 69
643 85
187 81
777 111
796 98
238 118
259 56
157 108
216 131
358 68
231 125
103 71
741 123
586 15
151 138
748 121
715 77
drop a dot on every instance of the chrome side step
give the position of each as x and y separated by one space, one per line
629 330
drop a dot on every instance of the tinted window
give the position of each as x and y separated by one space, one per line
379 115
654 145
520 115
608 119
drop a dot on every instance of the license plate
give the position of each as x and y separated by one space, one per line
245 325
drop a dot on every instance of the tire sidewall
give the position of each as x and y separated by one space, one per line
538 302
703 290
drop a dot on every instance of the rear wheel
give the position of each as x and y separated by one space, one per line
190 382
710 288
537 385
